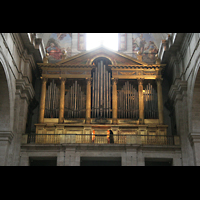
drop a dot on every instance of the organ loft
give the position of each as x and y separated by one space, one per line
96 91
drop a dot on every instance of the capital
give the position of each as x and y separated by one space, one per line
140 81
159 80
114 80
62 79
89 79
44 79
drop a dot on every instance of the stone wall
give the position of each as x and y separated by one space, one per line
19 53
181 53
70 155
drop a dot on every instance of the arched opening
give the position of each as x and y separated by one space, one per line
108 40
106 60
4 102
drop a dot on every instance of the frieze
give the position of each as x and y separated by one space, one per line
75 72
149 73
140 73
127 73
53 72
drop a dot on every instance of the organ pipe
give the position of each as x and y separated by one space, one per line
52 101
101 92
75 102
128 105
150 102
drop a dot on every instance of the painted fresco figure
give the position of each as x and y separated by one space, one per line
139 43
151 50
54 51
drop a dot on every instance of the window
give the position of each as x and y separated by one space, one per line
108 40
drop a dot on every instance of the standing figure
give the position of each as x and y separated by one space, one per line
111 137
108 136
93 136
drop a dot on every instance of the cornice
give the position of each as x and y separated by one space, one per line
177 90
24 89
6 136
137 66
194 137
171 45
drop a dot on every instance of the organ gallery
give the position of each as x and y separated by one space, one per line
100 90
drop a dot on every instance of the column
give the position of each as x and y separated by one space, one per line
114 101
88 101
160 100
141 101
42 100
62 101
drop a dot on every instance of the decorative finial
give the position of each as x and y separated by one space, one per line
158 61
64 54
46 58
139 56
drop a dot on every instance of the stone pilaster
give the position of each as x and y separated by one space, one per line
160 100
178 95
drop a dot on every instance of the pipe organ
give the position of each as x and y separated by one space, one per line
101 98
103 89
101 92
75 102
150 102
128 104
52 101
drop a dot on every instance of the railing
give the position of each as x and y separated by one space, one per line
101 139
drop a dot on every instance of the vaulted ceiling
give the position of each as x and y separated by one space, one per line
157 37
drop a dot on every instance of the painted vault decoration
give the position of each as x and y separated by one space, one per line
58 44
144 43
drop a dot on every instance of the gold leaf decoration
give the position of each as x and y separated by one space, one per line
127 73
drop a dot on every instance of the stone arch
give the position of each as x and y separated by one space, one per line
6 97
194 98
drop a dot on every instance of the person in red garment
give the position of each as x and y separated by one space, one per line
108 136
93 136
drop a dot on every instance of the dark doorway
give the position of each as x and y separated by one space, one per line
100 161
43 161
158 162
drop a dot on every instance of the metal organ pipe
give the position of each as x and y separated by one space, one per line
52 101
150 102
74 102
101 92
128 102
